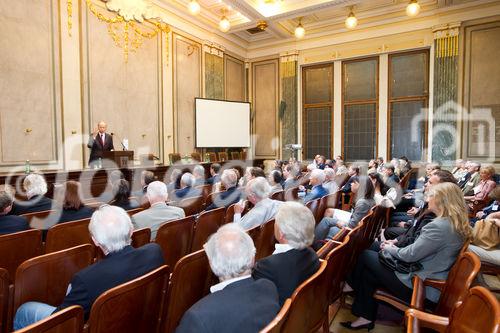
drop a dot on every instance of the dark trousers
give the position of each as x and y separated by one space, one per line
394 232
368 275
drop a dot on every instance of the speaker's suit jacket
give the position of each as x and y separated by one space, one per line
97 149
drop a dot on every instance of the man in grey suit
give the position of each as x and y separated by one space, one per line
257 191
159 212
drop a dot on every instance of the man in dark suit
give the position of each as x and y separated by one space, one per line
231 195
391 179
35 187
99 142
110 228
10 223
238 303
293 261
214 174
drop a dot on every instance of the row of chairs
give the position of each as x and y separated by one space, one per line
212 156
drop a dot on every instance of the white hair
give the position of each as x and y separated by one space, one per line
158 190
230 252
34 184
229 178
319 175
311 167
296 222
259 187
188 179
111 228
329 173
199 171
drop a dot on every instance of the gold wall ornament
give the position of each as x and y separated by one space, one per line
123 27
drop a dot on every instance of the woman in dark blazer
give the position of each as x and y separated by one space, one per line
72 207
121 189
436 249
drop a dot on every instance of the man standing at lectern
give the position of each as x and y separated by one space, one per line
99 142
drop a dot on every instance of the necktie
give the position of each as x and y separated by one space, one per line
102 139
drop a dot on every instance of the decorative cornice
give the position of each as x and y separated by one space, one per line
446 30
289 56
213 48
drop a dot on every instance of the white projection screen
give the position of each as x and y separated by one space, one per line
222 123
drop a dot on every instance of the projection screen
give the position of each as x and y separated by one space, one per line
222 123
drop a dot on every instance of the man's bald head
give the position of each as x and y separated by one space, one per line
102 126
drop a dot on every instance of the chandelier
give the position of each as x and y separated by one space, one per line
125 26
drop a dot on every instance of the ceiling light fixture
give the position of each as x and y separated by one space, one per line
413 8
224 24
351 21
300 31
194 7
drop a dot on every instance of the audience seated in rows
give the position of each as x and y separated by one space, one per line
121 191
231 195
390 178
35 188
175 181
436 249
293 261
147 177
316 181
460 169
199 175
372 166
485 185
485 250
490 209
238 303
330 184
341 169
158 212
353 172
257 192
471 179
383 194
71 207
10 223
214 174
362 188
275 180
187 189
111 229
290 174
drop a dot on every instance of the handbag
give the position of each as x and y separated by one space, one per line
486 234
396 265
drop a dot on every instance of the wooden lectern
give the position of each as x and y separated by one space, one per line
118 158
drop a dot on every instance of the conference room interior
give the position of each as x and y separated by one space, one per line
350 124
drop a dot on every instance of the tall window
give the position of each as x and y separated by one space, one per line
360 105
317 110
408 100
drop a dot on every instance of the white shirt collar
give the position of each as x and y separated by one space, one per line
221 285
282 248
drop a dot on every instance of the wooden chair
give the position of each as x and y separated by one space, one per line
477 206
479 312
309 308
193 205
278 195
68 320
292 194
207 224
489 269
275 325
212 157
38 215
18 247
6 290
341 179
453 290
46 278
141 237
205 190
266 241
65 235
137 210
330 200
347 201
174 157
230 212
315 208
235 155
327 248
175 239
210 198
196 157
190 282
222 156
135 306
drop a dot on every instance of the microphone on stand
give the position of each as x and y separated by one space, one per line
121 142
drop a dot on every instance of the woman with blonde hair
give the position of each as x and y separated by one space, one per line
485 186
432 254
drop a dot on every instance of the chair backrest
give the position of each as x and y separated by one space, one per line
326 249
330 200
309 304
68 320
65 235
356 239
278 195
174 157
341 180
292 194
275 325
207 224
4 299
337 260
377 221
479 312
175 239
46 278
266 240
339 236
367 228
131 212
315 208
141 237
212 157
222 156
230 212
190 282
210 198
196 156
193 205
135 306
459 280
42 215
235 155
17 247
205 190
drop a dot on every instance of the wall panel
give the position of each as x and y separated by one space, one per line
235 79
265 104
